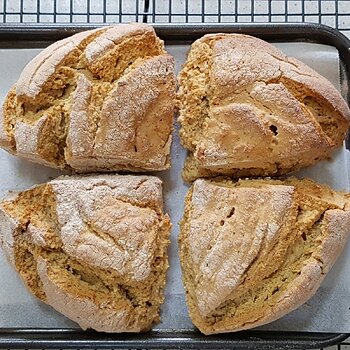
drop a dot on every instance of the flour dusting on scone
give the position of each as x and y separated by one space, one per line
246 109
94 248
100 100
251 251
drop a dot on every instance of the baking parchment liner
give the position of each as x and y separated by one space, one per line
327 311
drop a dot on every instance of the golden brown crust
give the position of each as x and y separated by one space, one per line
128 133
247 109
99 100
254 250
94 248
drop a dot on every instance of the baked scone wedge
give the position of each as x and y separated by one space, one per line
252 251
100 100
246 109
94 248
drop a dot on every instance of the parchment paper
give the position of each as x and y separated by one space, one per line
327 311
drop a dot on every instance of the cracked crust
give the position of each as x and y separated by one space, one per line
127 121
246 109
251 251
94 248
101 100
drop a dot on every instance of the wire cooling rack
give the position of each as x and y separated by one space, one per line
335 13
330 12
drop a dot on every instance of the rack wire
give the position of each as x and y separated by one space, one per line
335 13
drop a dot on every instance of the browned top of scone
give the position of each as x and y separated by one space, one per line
254 250
98 100
94 248
244 105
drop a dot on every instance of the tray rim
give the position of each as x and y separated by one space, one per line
15 35
164 339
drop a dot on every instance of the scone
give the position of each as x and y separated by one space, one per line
254 250
94 248
246 109
100 100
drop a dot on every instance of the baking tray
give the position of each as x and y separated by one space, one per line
19 36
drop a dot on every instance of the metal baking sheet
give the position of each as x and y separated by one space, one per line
328 311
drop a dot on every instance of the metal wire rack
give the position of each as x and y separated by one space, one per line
342 346
335 13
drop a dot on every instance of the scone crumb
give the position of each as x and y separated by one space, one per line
253 250
96 240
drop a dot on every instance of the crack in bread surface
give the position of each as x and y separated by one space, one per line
195 92
55 101
227 110
107 287
259 288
